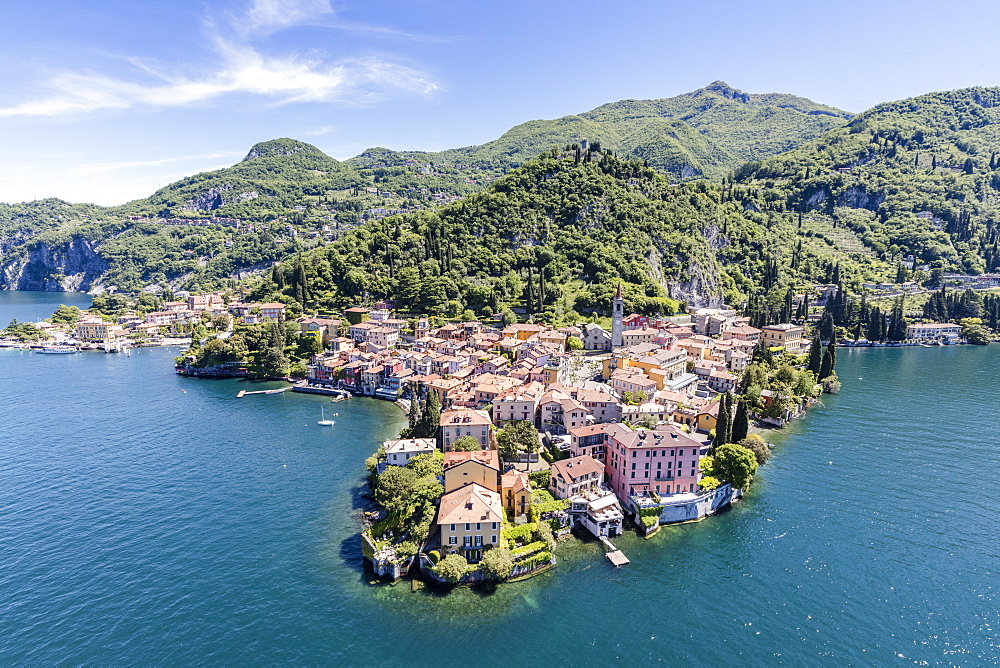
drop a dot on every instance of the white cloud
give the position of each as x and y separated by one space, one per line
89 168
241 69
268 16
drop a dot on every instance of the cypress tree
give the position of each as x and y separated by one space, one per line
741 423
827 367
815 355
832 350
722 422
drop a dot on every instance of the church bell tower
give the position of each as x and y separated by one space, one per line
617 318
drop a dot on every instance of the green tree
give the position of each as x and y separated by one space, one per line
431 464
65 315
394 488
466 444
826 368
574 343
741 422
452 567
497 564
735 463
758 447
723 423
815 355
515 437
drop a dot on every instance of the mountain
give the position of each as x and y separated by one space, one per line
554 238
705 133
915 177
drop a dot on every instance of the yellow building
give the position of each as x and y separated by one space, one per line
785 335
515 490
480 467
469 519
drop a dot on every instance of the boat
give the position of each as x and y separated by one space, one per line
57 350
324 421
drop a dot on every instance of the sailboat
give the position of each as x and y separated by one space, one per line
324 421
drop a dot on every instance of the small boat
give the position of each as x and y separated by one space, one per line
324 421
57 350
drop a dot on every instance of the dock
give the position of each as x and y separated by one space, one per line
614 555
243 393
338 395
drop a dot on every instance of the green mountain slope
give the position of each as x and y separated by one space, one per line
918 176
705 133
553 238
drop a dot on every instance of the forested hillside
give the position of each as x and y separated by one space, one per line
918 176
553 238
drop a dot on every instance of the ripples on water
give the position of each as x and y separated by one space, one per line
140 524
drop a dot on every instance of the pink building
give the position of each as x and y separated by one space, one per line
662 460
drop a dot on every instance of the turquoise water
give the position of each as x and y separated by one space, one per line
140 524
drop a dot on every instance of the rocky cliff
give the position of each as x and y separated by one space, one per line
74 266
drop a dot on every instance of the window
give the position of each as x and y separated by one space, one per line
494 537
479 541
494 527
452 540
633 466
467 526
633 474
452 527
479 526
680 453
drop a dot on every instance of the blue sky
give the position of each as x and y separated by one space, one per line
106 100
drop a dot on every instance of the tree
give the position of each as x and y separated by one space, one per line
574 343
452 567
497 564
758 447
515 437
66 315
815 355
735 463
826 368
394 488
723 422
430 464
466 444
741 422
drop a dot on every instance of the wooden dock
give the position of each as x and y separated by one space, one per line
243 393
617 558
614 555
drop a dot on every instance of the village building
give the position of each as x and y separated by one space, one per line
460 422
574 475
481 467
469 520
663 460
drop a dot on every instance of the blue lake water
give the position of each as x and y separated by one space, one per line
147 518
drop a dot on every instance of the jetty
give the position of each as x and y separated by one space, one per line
337 394
243 393
614 555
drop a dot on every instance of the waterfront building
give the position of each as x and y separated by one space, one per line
469 520
574 475
784 335
662 460
933 331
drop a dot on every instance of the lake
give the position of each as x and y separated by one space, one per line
148 518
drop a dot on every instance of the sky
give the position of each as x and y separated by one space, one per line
105 101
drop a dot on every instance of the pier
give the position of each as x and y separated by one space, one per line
614 555
243 393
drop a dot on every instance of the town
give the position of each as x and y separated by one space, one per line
521 433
